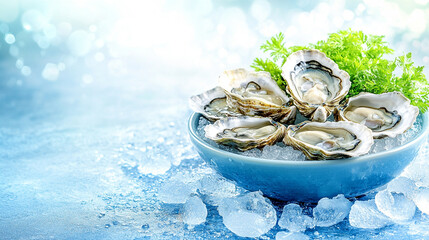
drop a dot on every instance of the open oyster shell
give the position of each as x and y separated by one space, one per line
212 105
256 94
245 132
315 82
386 114
329 140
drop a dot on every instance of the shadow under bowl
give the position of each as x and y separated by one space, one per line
309 180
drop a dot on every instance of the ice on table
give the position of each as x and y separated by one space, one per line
422 200
214 188
402 185
248 215
329 212
194 211
395 205
364 214
175 192
294 220
291 236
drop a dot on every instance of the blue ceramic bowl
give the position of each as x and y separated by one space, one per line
309 180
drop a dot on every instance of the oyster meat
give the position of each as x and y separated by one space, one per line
329 140
387 114
315 82
245 132
256 94
212 105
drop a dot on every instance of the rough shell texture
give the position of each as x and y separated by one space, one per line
313 152
316 112
256 106
392 102
213 131
199 103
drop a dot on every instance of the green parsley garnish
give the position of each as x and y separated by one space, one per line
363 57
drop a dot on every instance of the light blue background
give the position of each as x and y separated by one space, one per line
93 105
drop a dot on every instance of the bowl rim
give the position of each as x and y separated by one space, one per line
368 157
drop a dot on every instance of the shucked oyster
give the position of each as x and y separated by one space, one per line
315 83
256 94
245 132
212 104
329 140
387 114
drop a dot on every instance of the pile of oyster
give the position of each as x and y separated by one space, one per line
249 110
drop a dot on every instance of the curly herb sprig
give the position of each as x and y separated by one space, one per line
362 56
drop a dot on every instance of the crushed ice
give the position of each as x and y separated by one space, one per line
280 151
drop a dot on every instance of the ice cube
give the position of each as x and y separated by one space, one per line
174 192
248 215
294 220
214 188
194 211
402 185
422 200
364 214
395 205
291 236
329 212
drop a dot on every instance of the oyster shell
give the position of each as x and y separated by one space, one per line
212 105
256 94
329 140
386 114
245 132
315 82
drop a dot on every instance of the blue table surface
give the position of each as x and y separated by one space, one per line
86 144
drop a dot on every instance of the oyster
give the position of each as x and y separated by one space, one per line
315 83
256 94
212 105
329 140
245 132
387 114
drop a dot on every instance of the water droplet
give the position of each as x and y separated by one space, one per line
26 71
79 43
145 226
9 38
50 72
19 63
